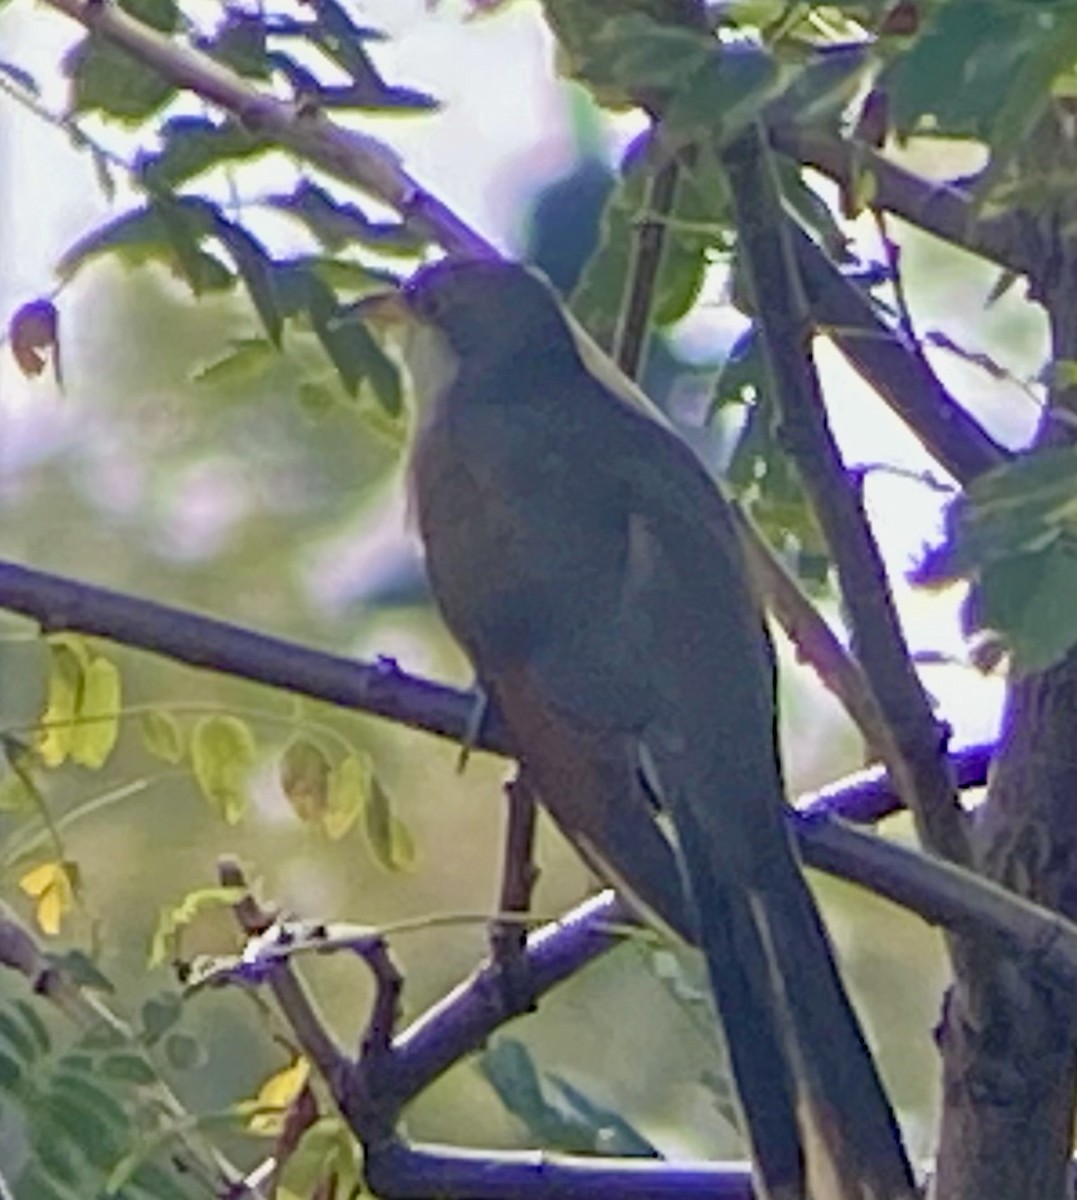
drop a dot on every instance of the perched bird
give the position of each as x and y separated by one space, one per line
592 572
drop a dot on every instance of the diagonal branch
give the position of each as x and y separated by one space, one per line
896 369
915 755
937 208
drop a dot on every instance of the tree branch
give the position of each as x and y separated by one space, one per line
898 371
400 1172
355 158
915 753
936 208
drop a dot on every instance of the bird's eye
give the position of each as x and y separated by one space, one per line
429 302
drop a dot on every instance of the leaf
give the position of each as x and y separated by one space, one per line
246 361
222 754
33 332
162 735
83 1126
388 837
166 230
160 1015
304 779
350 782
191 145
171 922
184 1052
239 42
557 1113
110 80
52 887
129 1068
256 269
353 351
22 1041
94 736
279 1092
323 1158
336 223
62 696
38 1029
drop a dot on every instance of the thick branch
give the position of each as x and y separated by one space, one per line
399 1172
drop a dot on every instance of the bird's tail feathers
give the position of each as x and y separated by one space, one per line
842 1105
815 1111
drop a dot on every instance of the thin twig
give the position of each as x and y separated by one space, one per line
645 265
897 370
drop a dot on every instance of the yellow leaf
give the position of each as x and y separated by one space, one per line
222 754
279 1092
63 694
98 727
52 888
349 788
304 778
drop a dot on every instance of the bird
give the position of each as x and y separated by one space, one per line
592 571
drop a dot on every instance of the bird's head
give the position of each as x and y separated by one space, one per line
479 316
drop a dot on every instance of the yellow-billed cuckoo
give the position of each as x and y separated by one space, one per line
592 572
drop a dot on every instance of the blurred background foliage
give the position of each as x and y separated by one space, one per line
253 487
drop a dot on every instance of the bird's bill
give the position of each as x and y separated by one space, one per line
427 358
385 311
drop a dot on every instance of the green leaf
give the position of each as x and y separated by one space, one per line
171 922
129 1068
304 779
21 1040
239 42
184 1052
350 783
389 839
192 145
354 353
336 223
82 971
164 230
643 55
11 1074
246 361
720 98
256 269
1030 600
162 735
557 1113
107 79
94 738
699 221
160 1015
223 752
87 1091
84 1126
38 1029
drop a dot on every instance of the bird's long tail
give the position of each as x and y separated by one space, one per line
816 1113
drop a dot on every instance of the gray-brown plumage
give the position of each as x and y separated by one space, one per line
592 572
